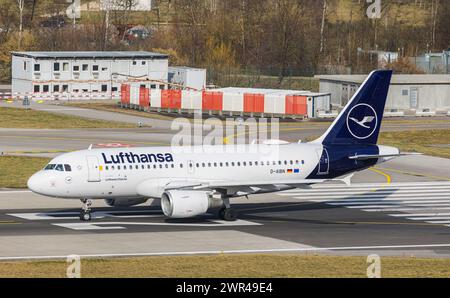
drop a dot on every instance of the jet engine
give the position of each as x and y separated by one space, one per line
124 202
188 203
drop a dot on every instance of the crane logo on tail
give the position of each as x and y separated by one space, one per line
362 121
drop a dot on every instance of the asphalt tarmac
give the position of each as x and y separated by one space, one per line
400 208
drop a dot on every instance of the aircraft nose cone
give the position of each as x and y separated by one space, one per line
35 183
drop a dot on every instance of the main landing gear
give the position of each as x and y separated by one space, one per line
85 214
227 213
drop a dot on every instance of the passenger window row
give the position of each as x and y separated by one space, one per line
208 165
245 164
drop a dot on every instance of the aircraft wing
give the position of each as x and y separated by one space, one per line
240 187
255 183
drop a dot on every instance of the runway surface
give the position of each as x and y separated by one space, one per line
399 208
411 217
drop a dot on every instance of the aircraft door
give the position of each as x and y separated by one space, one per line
93 169
324 162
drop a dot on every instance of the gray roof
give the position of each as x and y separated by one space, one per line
92 55
396 79
175 68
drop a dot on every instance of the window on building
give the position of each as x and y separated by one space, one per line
153 86
94 67
144 62
85 67
65 88
114 89
37 67
76 68
45 88
36 88
24 65
56 66
66 66
55 88
104 88
405 92
104 68
134 62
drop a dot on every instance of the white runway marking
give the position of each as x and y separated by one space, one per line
95 215
13 191
421 201
134 214
119 225
253 251
61 109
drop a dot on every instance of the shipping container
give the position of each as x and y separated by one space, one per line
296 105
134 94
275 103
171 99
212 101
253 103
191 100
155 98
318 103
233 102
125 94
174 99
144 99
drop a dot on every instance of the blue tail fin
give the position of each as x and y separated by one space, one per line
360 120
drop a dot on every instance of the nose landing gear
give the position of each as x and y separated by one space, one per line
85 214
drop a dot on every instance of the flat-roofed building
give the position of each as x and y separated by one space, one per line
53 75
408 94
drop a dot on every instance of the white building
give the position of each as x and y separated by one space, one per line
187 77
135 5
57 74
408 94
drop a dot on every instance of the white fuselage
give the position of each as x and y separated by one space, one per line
118 173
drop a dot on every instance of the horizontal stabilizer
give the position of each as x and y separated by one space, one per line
374 156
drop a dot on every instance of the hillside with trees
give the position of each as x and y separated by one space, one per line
237 40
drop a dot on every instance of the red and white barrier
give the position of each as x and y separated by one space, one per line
233 100
60 95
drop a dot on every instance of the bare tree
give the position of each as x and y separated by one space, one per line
20 5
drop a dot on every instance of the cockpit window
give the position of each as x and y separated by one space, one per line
60 167
50 167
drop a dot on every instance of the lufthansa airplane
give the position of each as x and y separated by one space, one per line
192 183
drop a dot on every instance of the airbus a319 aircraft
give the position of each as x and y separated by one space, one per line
193 183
